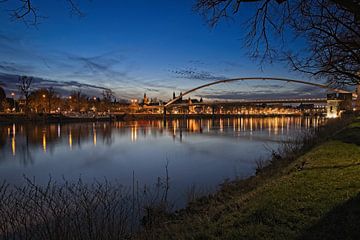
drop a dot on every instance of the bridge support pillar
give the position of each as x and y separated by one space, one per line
213 111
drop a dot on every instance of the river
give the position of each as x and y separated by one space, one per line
201 152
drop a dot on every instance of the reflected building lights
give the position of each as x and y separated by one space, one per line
13 145
12 133
134 133
70 140
59 130
57 134
94 136
44 142
251 124
276 126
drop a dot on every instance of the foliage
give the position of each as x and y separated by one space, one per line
330 27
44 100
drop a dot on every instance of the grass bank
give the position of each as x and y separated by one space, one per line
312 196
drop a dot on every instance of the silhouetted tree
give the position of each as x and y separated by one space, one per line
51 95
2 98
2 94
330 27
78 101
108 96
25 88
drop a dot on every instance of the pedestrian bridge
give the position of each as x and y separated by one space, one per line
255 101
333 109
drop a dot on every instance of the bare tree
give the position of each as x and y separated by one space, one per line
108 96
25 88
27 11
330 28
51 96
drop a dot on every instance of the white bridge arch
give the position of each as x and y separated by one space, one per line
324 86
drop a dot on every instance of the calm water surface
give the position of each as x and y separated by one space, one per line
199 152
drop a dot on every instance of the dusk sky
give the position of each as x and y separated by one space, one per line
134 47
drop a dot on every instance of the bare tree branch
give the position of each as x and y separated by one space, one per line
330 28
29 14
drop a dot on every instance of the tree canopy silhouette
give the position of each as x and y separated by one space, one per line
331 29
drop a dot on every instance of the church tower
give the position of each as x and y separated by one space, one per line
146 100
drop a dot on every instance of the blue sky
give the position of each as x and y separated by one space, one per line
132 47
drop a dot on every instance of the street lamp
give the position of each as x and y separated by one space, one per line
44 96
13 97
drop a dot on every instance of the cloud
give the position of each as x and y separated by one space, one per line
152 90
268 86
233 64
107 68
12 67
266 93
195 74
10 81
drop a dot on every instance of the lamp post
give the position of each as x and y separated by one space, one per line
44 96
13 97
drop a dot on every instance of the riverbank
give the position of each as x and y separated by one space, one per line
312 196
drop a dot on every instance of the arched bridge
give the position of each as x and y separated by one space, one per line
323 86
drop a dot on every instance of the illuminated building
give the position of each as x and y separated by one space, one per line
338 103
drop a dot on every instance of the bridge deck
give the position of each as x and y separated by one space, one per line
257 101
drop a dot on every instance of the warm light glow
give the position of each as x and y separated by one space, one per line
13 145
332 115
13 140
44 96
134 133
94 135
70 139
44 142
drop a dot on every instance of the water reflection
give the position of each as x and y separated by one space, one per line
199 151
47 137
